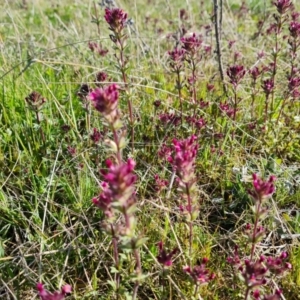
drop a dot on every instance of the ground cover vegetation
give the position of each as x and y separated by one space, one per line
149 149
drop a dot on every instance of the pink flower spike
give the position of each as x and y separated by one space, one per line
262 189
116 19
163 257
45 295
105 100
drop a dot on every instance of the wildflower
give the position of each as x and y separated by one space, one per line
35 100
235 259
105 100
295 16
262 189
176 58
101 77
163 257
283 6
268 86
184 158
235 74
118 186
278 265
200 123
116 19
225 107
255 73
191 44
96 135
71 150
294 29
45 295
160 183
200 274
254 272
169 119
294 83
165 151
104 200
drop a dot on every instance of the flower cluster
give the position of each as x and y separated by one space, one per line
199 123
255 72
170 119
184 158
283 6
262 189
96 136
116 19
160 183
200 274
106 100
255 272
278 265
235 74
101 77
293 85
177 57
164 257
35 100
268 86
118 187
191 44
294 29
45 295
227 109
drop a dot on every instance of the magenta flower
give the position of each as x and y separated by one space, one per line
268 86
105 100
116 19
101 77
160 183
96 136
163 257
191 44
294 29
235 259
104 200
254 272
45 295
255 73
118 186
165 151
283 6
35 100
235 74
184 158
262 189
177 57
278 265
200 274
294 83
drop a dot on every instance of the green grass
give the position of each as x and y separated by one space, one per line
49 229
